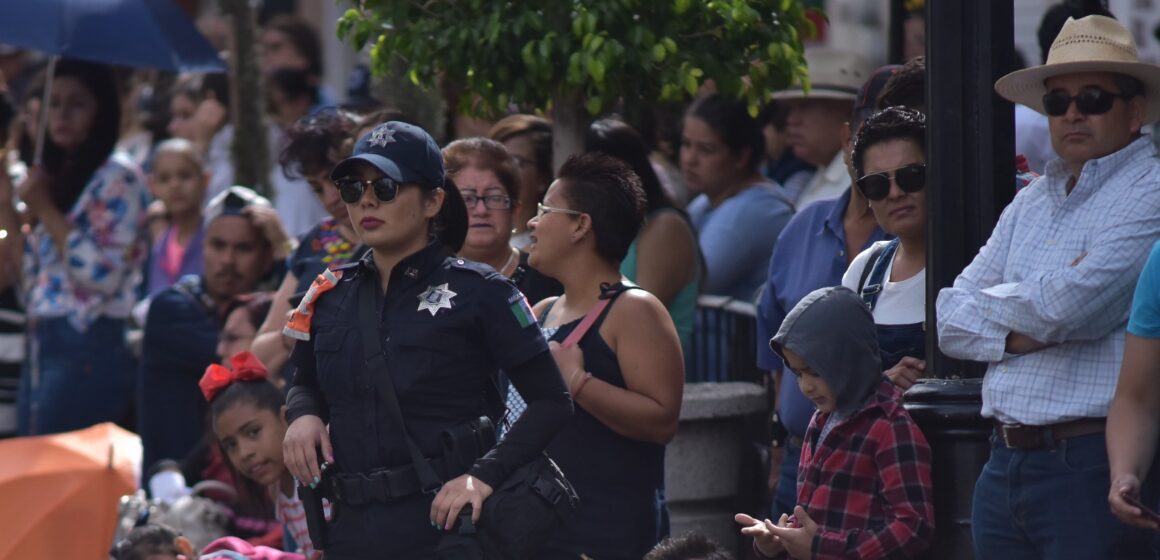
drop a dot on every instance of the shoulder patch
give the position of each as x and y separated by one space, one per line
298 327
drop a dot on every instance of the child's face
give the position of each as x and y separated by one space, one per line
811 384
237 334
178 182
252 440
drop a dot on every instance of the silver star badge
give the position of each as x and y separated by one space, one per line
382 136
436 298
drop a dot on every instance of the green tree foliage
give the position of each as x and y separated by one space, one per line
591 53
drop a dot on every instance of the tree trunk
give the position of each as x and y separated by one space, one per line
569 125
251 147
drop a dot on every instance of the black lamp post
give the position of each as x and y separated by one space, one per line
970 143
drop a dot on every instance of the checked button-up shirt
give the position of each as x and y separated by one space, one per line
1059 268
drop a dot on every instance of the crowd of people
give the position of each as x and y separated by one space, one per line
391 332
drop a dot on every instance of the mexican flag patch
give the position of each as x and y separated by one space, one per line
521 309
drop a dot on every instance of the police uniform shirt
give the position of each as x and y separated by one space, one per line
446 326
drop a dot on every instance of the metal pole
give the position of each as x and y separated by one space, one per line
971 159
42 130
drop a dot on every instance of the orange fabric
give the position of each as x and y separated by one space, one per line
298 327
60 492
244 366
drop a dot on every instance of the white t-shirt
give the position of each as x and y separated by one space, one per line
899 303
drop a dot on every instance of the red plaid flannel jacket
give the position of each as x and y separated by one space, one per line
868 485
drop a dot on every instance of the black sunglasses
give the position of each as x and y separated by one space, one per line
1091 100
910 178
351 189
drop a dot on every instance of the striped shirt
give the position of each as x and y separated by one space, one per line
11 359
292 515
1061 269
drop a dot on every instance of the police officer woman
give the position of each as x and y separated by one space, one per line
445 325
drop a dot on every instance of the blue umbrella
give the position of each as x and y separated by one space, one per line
138 33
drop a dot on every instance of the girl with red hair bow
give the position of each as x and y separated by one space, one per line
248 418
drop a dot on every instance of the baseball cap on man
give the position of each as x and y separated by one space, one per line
403 152
231 202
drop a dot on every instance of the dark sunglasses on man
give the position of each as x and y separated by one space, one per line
1091 100
351 189
910 178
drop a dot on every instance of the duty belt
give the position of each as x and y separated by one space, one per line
382 485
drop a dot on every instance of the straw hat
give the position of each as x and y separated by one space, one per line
1090 44
834 74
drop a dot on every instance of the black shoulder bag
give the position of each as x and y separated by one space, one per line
521 513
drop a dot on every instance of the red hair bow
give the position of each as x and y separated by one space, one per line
244 366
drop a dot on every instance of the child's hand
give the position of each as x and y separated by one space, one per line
762 532
304 438
799 540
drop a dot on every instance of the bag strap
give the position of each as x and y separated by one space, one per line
608 292
874 273
377 365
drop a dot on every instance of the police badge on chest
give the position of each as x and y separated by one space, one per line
435 298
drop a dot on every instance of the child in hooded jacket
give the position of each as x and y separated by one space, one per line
864 483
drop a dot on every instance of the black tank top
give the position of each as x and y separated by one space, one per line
617 478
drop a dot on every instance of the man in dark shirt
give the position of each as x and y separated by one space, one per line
183 322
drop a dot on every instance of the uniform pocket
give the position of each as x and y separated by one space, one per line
333 355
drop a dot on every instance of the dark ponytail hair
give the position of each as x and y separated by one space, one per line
450 224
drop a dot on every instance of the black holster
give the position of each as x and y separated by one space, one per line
311 499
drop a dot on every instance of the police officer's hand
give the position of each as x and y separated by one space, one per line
454 495
305 436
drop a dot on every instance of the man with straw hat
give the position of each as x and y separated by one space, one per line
1045 302
816 120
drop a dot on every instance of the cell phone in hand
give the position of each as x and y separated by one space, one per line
1149 513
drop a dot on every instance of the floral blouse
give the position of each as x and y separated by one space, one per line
321 248
105 251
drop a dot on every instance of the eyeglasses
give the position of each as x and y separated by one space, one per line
1091 100
351 189
910 178
541 210
491 201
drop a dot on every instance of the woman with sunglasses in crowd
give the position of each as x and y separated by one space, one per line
489 179
442 325
889 158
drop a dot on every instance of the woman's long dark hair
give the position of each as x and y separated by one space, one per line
619 140
71 174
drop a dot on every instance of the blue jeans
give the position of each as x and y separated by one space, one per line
1051 504
73 380
786 497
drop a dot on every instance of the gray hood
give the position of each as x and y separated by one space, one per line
834 332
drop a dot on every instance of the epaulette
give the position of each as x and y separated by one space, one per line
478 268
298 327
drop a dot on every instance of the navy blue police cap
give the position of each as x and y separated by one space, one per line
401 151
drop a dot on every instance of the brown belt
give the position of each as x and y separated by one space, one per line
1019 436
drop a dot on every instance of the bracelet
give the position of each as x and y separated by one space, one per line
579 386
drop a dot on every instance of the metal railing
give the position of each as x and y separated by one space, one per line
724 342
